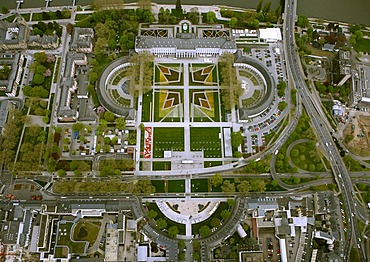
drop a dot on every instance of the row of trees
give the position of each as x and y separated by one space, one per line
50 28
112 167
9 138
141 73
243 186
230 86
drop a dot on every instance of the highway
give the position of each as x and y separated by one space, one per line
339 169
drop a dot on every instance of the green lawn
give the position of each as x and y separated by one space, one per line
363 45
206 138
86 231
199 185
159 186
212 163
82 16
61 252
167 138
176 186
64 238
147 106
166 165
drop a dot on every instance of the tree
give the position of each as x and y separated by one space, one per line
144 186
173 231
40 69
181 256
109 116
230 202
259 6
69 28
38 79
181 244
244 186
258 185
145 4
4 10
228 187
233 22
178 5
152 214
204 231
61 173
302 21
215 222
211 17
78 126
78 173
216 180
161 223
266 8
121 123
40 57
193 17
225 214
236 139
39 91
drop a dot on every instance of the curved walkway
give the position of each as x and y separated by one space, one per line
101 91
270 86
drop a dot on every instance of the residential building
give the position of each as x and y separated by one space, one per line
14 35
82 40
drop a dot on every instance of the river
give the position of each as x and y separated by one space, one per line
354 11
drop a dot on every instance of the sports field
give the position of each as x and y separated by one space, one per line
206 138
167 139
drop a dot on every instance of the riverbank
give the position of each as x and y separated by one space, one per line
354 12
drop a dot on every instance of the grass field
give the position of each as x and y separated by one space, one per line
64 238
199 185
146 106
176 186
212 163
159 186
166 165
86 231
363 45
167 138
206 138
61 252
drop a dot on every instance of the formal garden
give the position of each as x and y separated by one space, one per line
168 105
168 74
203 74
204 105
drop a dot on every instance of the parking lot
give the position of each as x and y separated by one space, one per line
270 245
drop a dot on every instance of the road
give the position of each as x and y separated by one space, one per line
339 169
